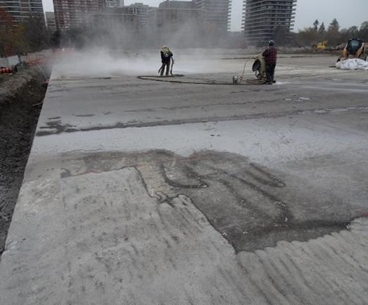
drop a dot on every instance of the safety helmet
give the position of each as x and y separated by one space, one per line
271 43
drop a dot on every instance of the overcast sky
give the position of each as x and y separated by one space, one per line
347 12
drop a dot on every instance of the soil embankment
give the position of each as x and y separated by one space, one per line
21 97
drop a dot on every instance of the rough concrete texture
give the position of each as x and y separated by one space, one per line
146 192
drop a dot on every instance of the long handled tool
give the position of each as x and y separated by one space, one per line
172 65
237 80
242 76
162 66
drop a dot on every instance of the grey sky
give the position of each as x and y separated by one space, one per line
347 12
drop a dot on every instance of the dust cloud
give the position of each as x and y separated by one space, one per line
114 45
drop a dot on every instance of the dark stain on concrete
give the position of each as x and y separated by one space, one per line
58 128
83 115
55 127
253 207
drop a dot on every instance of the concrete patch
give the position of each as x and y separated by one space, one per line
251 206
125 228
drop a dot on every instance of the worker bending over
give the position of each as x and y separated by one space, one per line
166 56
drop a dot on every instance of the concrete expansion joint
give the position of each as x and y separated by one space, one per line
55 127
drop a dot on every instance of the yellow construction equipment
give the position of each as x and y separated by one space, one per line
321 45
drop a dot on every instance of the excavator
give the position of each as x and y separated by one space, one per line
321 46
354 48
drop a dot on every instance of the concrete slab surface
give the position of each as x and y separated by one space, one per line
140 191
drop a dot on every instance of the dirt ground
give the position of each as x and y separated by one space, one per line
20 98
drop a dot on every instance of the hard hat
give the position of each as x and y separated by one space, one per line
271 43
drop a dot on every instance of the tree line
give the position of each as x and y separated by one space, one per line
18 38
333 34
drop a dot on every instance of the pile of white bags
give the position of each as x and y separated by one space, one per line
352 64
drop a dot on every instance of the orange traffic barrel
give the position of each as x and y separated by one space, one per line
6 70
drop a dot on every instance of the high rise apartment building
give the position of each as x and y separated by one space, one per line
20 10
113 19
174 15
141 11
176 23
217 13
50 21
74 13
114 3
261 18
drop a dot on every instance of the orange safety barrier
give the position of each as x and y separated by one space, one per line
6 70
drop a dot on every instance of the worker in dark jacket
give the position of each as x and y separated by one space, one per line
270 55
166 56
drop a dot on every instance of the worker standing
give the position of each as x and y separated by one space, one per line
270 55
166 57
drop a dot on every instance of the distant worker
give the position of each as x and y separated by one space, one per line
166 57
270 55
